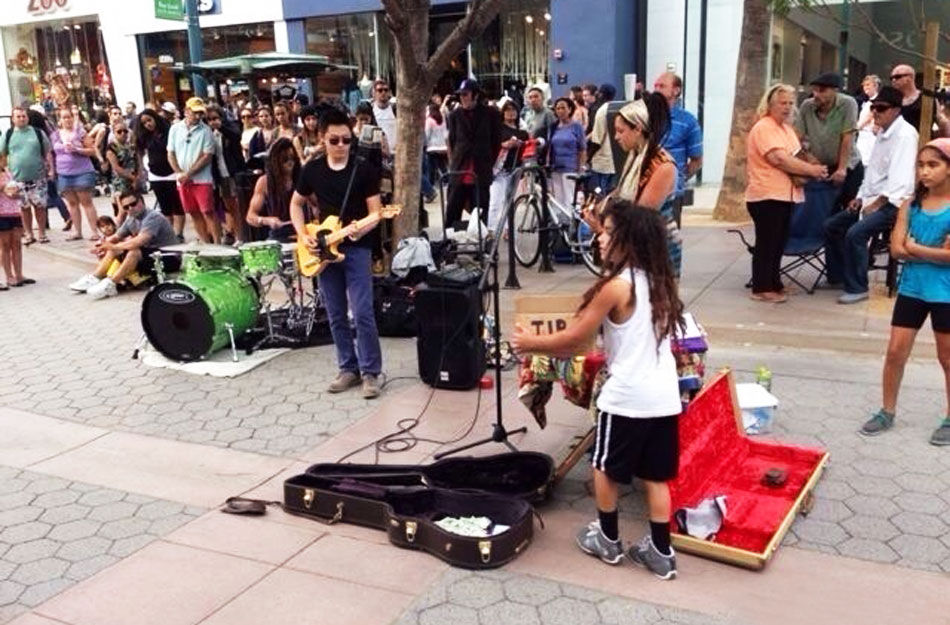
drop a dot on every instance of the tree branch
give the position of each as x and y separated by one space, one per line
822 9
398 21
480 14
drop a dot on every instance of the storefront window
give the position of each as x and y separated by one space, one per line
344 40
513 50
160 52
57 62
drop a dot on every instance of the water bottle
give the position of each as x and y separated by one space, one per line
764 377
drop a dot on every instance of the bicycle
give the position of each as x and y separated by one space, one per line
564 221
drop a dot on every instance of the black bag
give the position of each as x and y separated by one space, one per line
408 514
393 308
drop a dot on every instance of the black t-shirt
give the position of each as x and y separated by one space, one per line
507 132
157 150
911 112
329 187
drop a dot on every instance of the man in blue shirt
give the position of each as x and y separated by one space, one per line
684 141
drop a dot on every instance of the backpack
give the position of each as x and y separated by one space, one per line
39 138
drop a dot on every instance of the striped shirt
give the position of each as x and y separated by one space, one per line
684 141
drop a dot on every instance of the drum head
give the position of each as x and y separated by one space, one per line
177 322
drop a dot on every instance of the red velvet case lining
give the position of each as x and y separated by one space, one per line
715 459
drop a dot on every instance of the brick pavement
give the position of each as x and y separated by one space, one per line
54 533
501 598
884 500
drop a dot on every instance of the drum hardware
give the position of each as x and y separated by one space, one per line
159 267
230 328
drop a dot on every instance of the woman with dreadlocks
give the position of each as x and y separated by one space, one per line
270 204
635 301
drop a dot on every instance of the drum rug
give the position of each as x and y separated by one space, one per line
219 365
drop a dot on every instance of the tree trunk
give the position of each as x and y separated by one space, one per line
412 43
416 74
750 84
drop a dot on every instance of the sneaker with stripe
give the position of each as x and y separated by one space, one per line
592 541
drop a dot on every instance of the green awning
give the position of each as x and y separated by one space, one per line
265 63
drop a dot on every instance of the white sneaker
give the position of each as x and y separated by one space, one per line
105 288
84 283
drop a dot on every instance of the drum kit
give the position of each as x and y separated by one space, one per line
221 295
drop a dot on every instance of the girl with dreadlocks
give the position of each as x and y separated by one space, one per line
635 301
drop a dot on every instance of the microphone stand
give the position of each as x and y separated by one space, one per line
499 433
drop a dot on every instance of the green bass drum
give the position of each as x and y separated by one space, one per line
187 319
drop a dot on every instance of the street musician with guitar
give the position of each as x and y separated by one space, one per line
341 185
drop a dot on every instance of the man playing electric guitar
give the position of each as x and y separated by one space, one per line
339 184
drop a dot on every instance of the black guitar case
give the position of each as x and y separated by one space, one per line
408 514
523 474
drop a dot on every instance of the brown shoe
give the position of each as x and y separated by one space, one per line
343 381
371 388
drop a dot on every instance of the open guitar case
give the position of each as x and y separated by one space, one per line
406 501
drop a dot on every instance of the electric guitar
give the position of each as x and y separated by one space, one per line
329 234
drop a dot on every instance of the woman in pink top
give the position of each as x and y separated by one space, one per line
11 228
772 146
76 176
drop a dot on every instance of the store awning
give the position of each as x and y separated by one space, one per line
265 63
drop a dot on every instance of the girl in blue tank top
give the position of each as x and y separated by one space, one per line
921 238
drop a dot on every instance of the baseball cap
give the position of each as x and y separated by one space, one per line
889 95
169 107
195 104
828 79
470 85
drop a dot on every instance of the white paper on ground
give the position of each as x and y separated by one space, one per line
219 365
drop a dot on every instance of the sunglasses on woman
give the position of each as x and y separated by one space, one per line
339 140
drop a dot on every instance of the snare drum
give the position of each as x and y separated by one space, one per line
261 257
206 259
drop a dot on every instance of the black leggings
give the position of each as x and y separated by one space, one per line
771 219
166 192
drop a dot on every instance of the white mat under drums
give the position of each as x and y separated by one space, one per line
219 365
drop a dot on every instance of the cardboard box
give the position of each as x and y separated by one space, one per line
547 314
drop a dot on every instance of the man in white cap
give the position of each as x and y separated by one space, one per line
169 111
190 150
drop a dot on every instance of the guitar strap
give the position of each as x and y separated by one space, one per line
349 187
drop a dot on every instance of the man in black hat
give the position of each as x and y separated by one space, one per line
888 182
473 144
826 124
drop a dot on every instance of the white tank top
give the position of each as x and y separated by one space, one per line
642 379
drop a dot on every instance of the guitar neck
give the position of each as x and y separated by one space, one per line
339 236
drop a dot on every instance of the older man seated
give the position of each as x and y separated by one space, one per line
142 233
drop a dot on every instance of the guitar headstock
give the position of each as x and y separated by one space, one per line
390 210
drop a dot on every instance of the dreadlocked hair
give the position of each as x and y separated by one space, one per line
638 240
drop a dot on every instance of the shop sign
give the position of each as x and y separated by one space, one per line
169 10
39 7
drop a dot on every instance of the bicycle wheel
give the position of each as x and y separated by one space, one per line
585 242
527 235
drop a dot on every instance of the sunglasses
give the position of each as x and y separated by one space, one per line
899 76
339 140
879 108
129 206
122 132
382 89
246 116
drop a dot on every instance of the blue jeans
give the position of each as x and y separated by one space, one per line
604 181
846 245
349 284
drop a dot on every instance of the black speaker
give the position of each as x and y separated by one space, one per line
449 345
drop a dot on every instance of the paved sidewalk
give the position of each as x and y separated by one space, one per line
110 473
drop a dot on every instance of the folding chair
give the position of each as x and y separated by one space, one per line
806 234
